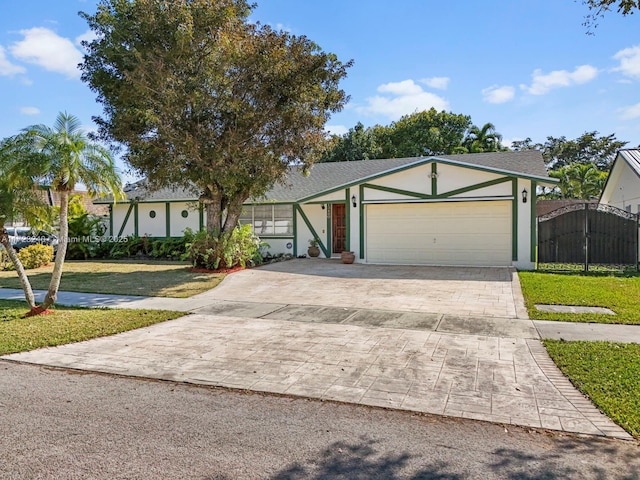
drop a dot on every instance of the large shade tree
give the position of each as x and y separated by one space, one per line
203 99
61 157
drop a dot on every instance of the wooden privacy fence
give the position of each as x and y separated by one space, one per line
588 234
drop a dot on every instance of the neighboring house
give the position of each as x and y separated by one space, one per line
473 209
622 188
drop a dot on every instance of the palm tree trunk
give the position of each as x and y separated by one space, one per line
56 275
22 274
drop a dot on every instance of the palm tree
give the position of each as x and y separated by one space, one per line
65 157
578 180
484 139
18 197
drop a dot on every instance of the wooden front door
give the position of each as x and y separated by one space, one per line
338 228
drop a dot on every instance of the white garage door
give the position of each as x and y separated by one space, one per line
452 233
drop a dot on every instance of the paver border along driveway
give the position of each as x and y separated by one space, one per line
495 377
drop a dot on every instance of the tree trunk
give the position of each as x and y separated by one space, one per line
234 210
213 210
56 276
22 274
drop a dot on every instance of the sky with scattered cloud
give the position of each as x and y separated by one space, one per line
527 67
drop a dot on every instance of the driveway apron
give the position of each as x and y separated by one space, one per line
366 334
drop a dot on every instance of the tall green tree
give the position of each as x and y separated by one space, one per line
63 156
203 99
359 143
419 134
588 148
578 180
483 139
428 133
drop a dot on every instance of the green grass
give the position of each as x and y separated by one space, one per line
619 293
68 325
146 278
609 373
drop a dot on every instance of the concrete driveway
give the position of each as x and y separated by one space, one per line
467 291
446 341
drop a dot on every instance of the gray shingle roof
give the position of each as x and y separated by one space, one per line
327 176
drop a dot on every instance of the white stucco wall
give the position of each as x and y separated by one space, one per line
180 224
152 227
623 188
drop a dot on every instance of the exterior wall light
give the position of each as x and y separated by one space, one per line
353 201
524 195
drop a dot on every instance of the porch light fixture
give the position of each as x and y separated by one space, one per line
524 195
353 201
323 206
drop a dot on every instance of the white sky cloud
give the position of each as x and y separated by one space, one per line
543 83
47 49
630 112
403 98
336 129
88 36
629 61
6 67
498 94
29 110
441 83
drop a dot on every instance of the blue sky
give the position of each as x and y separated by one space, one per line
527 66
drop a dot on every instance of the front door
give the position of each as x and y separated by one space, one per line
338 228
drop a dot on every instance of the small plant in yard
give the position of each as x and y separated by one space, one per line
238 248
314 242
35 256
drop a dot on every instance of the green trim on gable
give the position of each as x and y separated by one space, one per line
477 186
329 231
111 220
167 212
361 213
297 208
126 219
136 219
347 219
434 178
426 161
533 198
514 220
397 191
200 216
295 231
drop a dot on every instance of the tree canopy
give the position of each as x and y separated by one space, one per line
598 8
203 99
424 133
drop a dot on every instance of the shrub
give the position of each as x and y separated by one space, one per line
241 248
36 255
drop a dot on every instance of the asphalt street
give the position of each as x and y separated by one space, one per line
60 424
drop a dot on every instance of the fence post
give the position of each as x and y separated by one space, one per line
586 237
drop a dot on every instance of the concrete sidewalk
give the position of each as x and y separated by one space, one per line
490 326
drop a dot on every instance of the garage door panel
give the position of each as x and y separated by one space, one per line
464 233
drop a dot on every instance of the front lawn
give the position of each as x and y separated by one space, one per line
122 277
68 325
619 293
609 373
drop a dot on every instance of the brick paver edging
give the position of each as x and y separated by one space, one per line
572 394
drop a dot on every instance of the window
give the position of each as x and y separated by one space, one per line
628 208
269 220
